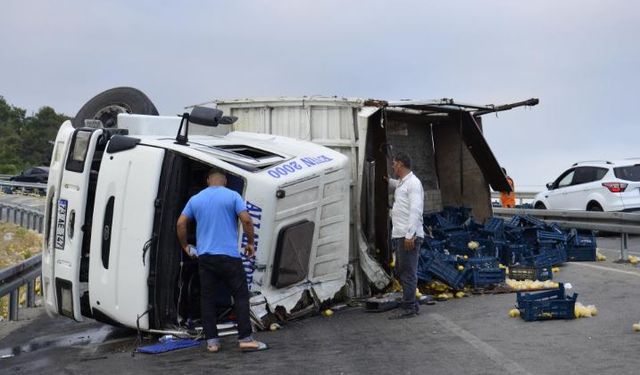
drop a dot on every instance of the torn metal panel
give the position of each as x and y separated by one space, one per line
479 148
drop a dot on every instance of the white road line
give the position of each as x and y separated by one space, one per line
510 366
618 251
606 268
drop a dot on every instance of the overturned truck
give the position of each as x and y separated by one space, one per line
310 169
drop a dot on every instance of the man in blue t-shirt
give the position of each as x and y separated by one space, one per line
216 211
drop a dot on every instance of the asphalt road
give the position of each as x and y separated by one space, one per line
472 335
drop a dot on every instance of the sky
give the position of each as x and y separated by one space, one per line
581 58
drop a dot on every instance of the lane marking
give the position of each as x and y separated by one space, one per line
510 366
618 251
606 268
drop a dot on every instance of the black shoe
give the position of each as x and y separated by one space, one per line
406 314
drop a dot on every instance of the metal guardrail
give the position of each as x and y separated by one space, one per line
25 217
5 176
13 278
11 187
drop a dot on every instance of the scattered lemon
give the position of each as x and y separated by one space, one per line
514 313
418 293
460 267
473 245
636 327
555 269
327 312
460 294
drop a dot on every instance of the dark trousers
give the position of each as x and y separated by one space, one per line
407 271
223 271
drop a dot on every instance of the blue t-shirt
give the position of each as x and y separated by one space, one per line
215 210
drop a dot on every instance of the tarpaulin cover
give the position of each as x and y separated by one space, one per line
168 345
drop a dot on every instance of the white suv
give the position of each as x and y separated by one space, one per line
594 186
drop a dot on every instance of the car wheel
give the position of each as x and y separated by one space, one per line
540 206
594 206
108 104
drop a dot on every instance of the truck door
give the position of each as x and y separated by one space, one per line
68 206
58 159
122 233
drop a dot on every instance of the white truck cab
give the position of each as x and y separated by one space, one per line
114 196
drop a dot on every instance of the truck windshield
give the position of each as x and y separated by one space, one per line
630 173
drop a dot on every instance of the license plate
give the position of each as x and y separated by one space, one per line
61 221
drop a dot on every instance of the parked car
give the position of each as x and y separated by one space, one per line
34 174
594 186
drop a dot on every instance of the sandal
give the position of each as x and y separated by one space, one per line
252 346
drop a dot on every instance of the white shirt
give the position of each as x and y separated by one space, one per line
406 214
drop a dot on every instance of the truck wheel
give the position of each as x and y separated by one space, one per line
108 104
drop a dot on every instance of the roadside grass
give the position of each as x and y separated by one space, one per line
16 245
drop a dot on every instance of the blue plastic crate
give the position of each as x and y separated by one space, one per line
553 304
584 240
581 253
481 262
483 277
530 273
433 244
532 221
556 228
447 272
494 227
546 258
423 269
514 254
551 235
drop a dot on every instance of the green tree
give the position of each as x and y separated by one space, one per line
26 141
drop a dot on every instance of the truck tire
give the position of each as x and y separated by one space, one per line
108 104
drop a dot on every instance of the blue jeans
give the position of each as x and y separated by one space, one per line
406 271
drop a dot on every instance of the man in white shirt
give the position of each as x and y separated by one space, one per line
407 232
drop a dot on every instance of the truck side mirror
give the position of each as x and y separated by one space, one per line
204 116
210 117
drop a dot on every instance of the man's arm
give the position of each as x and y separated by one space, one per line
416 203
391 182
181 229
247 227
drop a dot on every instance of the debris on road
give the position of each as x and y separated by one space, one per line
464 254
582 311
